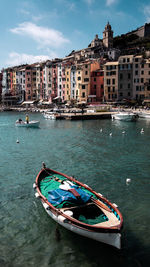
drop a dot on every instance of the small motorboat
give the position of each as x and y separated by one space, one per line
50 115
145 115
124 116
21 123
78 208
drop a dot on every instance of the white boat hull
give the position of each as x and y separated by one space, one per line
113 239
144 115
34 124
49 116
124 116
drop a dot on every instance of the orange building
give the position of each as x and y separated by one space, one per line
96 83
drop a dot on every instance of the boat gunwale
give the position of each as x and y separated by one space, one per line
77 223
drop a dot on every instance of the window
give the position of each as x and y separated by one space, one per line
121 76
86 72
79 78
129 76
128 85
113 81
108 81
94 79
136 72
83 86
83 94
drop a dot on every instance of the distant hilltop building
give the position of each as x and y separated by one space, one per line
143 31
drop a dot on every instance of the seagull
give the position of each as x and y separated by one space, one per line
142 131
17 141
110 134
101 130
123 132
128 180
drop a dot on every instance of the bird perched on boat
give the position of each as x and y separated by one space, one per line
142 130
128 180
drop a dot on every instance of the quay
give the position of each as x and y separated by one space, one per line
84 116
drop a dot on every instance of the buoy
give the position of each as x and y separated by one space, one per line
17 141
128 180
34 185
123 132
101 130
37 195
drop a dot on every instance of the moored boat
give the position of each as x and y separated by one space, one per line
124 116
21 123
145 115
78 208
50 115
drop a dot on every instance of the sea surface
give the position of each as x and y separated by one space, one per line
28 236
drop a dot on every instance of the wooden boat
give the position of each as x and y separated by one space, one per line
78 208
124 116
21 123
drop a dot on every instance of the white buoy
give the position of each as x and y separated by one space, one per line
128 181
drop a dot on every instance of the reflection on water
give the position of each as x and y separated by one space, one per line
28 236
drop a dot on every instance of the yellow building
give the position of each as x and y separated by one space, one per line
68 83
83 81
111 81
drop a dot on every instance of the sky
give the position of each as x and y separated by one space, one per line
37 30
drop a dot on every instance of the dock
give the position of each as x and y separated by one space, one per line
84 116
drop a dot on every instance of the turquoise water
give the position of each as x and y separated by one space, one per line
27 235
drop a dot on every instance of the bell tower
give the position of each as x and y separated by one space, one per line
108 36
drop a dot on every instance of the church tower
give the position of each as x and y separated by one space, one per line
108 36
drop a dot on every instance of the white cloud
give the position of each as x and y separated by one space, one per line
16 59
89 2
147 13
110 2
43 36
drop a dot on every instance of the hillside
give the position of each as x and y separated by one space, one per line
131 41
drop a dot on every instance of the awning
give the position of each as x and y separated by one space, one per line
28 102
146 101
56 97
91 95
80 103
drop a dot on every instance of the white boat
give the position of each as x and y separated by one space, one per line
145 115
49 115
124 116
78 208
21 123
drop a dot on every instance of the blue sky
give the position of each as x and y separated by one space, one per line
36 30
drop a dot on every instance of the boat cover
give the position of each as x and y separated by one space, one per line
58 196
